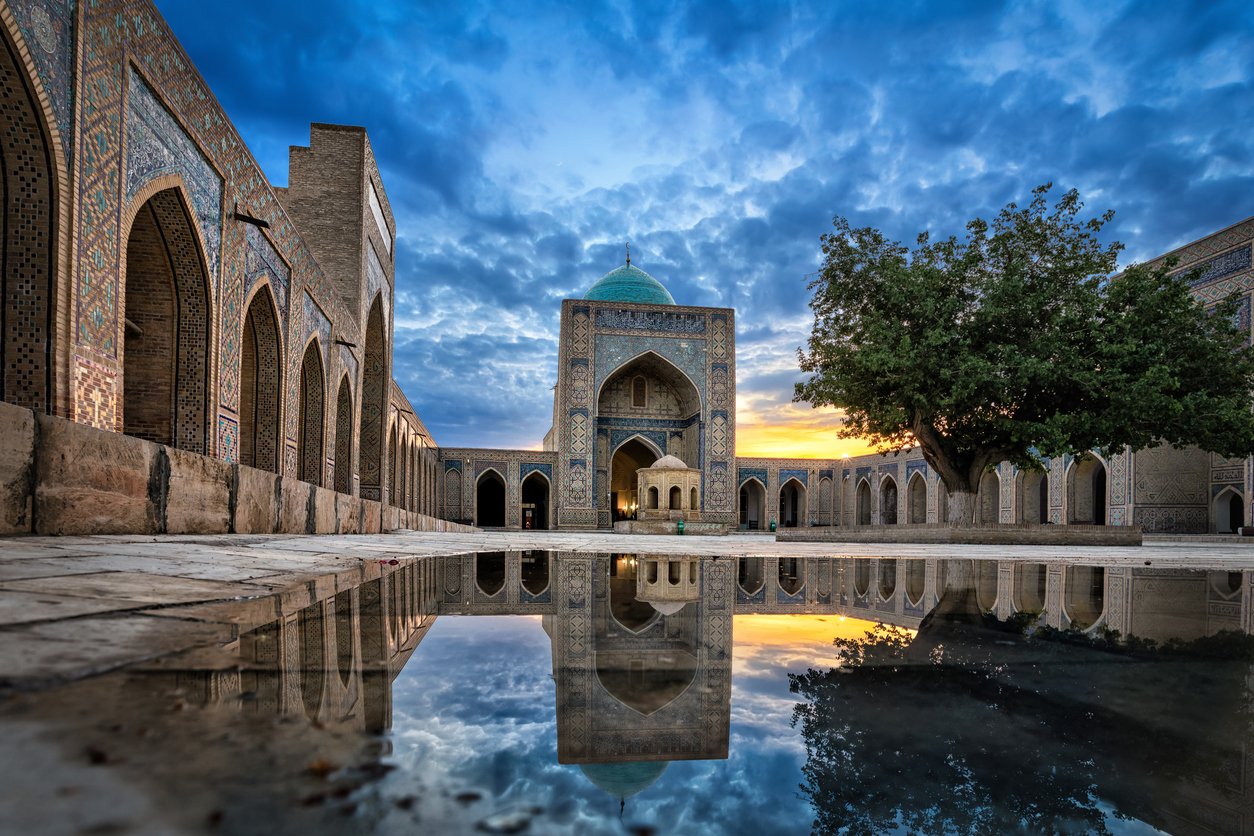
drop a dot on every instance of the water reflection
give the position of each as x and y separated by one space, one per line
987 696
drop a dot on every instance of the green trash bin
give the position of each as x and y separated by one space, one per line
680 526
772 525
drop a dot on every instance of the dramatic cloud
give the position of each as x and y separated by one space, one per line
521 144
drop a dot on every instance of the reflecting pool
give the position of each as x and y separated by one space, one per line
573 693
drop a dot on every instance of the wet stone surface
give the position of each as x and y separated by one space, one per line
575 692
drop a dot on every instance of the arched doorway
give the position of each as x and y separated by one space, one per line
28 251
987 498
916 499
676 499
1033 497
535 571
1228 511
888 501
651 396
535 501
1086 492
863 505
165 361
374 403
792 574
1085 595
752 505
1029 594
916 580
260 385
344 438
632 455
490 500
312 416
888 579
861 577
749 575
986 584
490 572
792 504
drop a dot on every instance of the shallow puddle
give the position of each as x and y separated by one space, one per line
569 693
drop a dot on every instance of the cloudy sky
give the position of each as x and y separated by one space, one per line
521 143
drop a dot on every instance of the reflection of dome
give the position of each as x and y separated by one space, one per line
667 607
629 284
668 462
623 780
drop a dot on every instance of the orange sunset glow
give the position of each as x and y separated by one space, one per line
794 431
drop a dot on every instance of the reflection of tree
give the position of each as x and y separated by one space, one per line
971 727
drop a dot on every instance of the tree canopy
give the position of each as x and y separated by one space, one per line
1016 343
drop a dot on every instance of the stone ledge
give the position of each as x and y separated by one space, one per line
664 527
58 477
988 535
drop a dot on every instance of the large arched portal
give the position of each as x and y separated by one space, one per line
28 247
535 501
988 498
632 455
260 384
165 365
752 505
1086 492
792 504
648 395
490 500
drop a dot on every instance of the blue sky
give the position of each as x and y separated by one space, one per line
522 143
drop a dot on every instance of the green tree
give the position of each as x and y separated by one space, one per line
1017 344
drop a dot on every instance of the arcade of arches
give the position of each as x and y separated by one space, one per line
263 336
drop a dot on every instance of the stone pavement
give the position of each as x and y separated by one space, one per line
75 606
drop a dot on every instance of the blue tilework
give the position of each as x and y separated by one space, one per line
800 475
1219 266
614 350
48 28
664 321
743 473
527 468
156 145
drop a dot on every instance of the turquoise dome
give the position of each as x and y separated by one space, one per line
623 780
629 284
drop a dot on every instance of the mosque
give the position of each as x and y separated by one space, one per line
188 348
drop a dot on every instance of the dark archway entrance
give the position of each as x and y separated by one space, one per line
312 416
535 501
862 506
888 502
260 386
165 368
28 248
792 504
1087 492
490 500
630 456
752 505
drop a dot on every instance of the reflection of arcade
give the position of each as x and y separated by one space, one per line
332 660
641 652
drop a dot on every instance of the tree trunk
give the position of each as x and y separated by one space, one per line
961 508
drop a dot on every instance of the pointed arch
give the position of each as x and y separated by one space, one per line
752 504
344 436
34 204
649 359
916 499
792 503
1086 490
535 492
1227 511
490 499
167 316
374 402
312 417
888 500
862 505
390 462
261 384
988 498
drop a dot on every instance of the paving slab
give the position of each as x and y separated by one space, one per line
25 607
135 586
